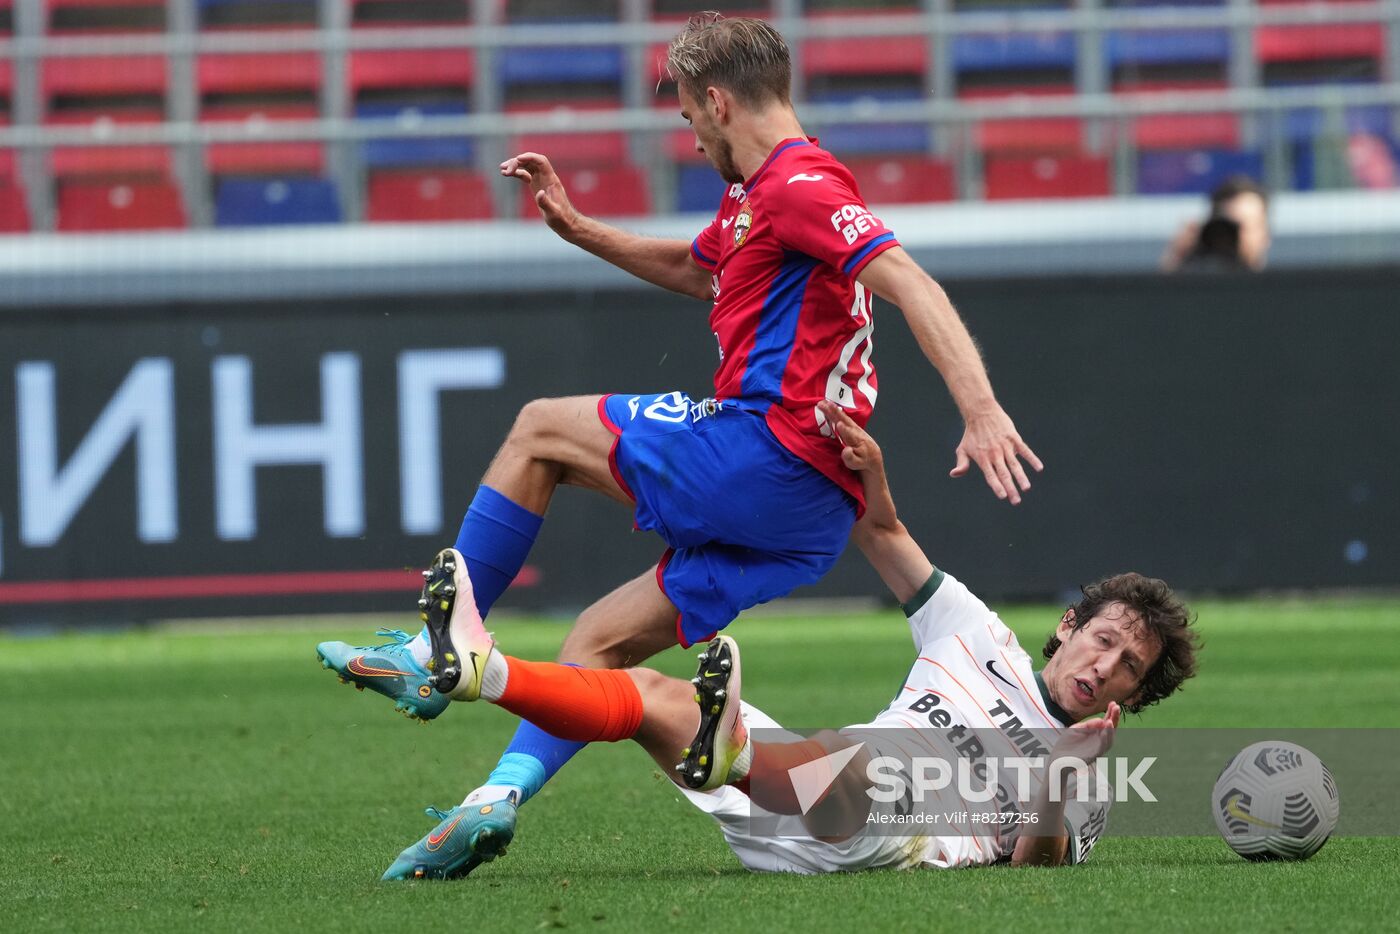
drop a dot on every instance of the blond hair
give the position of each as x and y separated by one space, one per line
746 57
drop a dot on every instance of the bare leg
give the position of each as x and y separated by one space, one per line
554 441
623 629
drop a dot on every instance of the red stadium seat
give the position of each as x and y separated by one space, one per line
14 213
282 158
119 206
108 161
903 180
1046 177
620 191
410 69
864 55
1184 130
428 195
1026 134
103 76
578 149
270 73
1313 43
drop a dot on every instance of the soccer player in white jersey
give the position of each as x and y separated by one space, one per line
1128 644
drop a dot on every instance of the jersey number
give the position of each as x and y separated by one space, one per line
839 388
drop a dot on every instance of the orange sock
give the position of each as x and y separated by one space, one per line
580 704
768 782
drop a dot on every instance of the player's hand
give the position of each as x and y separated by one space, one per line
991 442
550 197
858 450
1089 739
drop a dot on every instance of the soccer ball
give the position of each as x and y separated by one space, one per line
1275 800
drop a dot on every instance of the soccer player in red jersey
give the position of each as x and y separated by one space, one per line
747 487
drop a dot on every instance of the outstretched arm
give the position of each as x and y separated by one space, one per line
1086 741
879 534
666 263
990 439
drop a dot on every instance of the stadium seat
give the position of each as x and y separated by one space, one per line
863 55
243 14
414 76
427 195
241 202
1030 133
256 89
1156 47
69 17
108 161
85 206
103 83
281 77
1173 172
872 138
903 180
14 213
1180 130
405 151
1314 42
699 189
578 149
594 67
1013 51
382 13
620 191
1011 177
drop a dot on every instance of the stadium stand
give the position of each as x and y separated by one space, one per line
1001 64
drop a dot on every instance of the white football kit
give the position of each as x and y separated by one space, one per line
971 693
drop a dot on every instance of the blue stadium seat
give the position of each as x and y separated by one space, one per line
699 188
1167 47
1193 171
872 138
1012 51
401 152
242 202
562 64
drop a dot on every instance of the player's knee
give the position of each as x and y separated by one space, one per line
529 435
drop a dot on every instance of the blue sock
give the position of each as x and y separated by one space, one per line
531 759
495 539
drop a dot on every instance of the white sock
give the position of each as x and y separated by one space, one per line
493 678
489 793
421 647
740 769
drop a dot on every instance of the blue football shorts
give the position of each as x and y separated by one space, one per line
747 521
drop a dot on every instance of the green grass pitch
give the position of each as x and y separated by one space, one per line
221 781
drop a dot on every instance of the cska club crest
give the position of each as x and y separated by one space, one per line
742 223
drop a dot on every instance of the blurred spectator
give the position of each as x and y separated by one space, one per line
1234 236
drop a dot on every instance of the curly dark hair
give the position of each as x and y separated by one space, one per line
1161 613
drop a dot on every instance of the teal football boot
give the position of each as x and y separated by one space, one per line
465 837
388 669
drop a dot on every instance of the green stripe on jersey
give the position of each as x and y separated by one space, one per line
925 593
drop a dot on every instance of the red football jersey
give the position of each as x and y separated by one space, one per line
794 327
